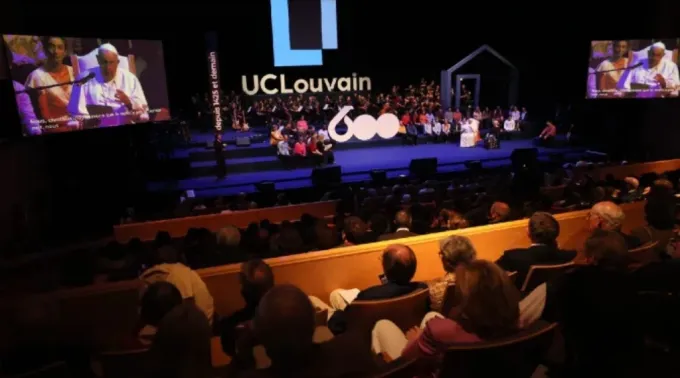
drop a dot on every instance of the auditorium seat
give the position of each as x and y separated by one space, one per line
644 255
123 363
539 274
55 370
400 368
406 312
514 356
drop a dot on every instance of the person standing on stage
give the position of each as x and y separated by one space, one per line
219 156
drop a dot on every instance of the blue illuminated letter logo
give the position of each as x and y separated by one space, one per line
284 54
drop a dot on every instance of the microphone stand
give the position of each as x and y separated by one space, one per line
35 89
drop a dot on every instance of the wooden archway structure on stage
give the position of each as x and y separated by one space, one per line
445 86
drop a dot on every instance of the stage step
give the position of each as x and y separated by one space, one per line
258 164
264 149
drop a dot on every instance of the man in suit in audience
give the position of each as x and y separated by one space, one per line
543 232
284 324
399 266
403 222
609 216
256 279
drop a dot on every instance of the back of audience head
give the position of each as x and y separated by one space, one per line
488 302
158 299
399 264
284 324
354 231
229 237
456 250
606 215
167 254
499 212
162 238
544 229
378 223
181 346
607 249
452 220
402 219
256 279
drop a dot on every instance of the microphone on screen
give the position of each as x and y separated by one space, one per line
83 80
636 65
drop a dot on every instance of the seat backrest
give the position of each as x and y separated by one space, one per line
55 370
400 368
644 254
123 364
514 356
539 274
406 311
84 63
321 317
512 276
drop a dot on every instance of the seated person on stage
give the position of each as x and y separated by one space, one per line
275 136
515 116
447 132
509 125
112 90
658 74
411 134
437 131
300 148
302 125
427 130
399 267
491 141
547 135
314 151
543 232
421 119
468 137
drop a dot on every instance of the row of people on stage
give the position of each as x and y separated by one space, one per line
421 101
302 141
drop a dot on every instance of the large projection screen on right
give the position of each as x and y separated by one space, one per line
640 68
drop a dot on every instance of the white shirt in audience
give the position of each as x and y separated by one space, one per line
509 125
186 280
427 128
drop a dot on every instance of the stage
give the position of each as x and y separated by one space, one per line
249 165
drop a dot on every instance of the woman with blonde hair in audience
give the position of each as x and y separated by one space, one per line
487 308
453 251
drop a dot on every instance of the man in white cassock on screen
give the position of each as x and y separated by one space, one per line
112 90
657 73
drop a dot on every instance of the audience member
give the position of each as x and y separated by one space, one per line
402 222
487 309
256 279
158 299
453 251
399 267
355 231
499 212
169 268
181 348
284 324
595 306
660 228
609 216
543 233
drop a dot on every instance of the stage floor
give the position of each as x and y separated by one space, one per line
247 166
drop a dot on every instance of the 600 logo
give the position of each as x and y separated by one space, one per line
364 127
